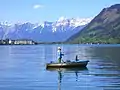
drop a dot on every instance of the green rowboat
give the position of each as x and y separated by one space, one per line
80 63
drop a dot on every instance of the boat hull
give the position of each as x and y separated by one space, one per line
67 64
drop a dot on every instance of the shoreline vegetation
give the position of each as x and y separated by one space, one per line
93 40
80 41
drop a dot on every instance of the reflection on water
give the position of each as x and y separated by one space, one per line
61 72
23 68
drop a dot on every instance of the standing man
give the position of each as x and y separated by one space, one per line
60 54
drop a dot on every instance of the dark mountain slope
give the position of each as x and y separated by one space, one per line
104 28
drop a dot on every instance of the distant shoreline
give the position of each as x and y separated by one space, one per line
31 42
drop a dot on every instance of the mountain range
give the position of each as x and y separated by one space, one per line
104 28
57 31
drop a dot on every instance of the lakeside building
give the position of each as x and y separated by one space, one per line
17 42
23 42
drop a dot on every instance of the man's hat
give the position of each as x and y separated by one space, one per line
59 48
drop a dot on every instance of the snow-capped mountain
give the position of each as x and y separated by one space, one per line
59 30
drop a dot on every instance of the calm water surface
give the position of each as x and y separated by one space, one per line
23 68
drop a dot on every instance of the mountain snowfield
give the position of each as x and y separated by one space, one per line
57 31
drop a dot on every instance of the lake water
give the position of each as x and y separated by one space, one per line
23 68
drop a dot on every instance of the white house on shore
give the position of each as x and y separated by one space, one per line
23 42
17 42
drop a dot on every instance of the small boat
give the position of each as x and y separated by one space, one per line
80 63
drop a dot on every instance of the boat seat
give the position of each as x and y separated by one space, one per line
68 61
